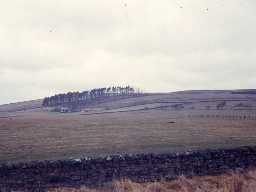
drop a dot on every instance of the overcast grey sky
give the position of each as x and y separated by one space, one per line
53 46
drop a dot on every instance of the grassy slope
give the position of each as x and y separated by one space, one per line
134 125
21 106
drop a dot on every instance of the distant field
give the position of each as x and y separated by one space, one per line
154 123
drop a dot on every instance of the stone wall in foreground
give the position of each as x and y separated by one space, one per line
38 176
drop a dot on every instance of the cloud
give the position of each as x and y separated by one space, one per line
49 47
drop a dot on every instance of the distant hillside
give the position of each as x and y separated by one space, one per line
100 96
153 122
21 106
246 91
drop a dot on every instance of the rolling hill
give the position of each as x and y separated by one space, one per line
155 122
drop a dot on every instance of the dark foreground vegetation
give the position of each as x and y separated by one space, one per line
231 181
41 176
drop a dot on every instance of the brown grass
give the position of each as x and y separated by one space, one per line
229 182
40 136
36 134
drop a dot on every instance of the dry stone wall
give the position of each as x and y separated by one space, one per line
38 176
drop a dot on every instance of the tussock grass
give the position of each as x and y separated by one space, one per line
243 181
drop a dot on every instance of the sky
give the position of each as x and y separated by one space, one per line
56 46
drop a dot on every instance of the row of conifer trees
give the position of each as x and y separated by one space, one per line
87 96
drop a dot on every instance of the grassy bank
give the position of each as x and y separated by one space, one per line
243 181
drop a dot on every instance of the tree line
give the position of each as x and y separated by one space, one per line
82 98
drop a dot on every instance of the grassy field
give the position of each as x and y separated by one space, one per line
155 123
229 182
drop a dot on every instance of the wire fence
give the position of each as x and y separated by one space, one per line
229 115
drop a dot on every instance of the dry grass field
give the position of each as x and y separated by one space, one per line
153 123
229 182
